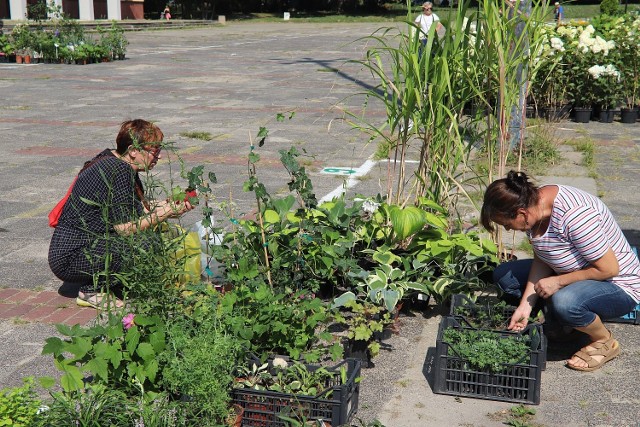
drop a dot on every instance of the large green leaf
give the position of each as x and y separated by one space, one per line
343 299
406 221
271 216
391 298
53 345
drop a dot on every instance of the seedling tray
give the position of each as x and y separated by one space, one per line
519 382
462 306
336 404
472 309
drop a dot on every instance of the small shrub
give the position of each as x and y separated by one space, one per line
19 405
610 7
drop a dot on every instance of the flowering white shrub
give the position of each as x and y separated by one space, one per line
592 63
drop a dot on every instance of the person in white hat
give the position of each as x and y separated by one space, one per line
558 13
426 20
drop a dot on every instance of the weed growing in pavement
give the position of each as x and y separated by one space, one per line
203 136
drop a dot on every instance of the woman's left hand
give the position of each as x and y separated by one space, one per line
172 209
547 286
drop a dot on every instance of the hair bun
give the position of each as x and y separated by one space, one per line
517 180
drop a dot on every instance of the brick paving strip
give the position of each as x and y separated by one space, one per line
42 307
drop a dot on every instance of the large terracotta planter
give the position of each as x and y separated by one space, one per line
582 115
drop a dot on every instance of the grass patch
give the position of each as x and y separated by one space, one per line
587 147
203 136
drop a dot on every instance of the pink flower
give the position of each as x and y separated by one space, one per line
127 321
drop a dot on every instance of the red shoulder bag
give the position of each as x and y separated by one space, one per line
54 215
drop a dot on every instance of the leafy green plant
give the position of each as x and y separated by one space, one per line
487 350
200 365
113 40
269 321
610 7
123 355
362 319
96 405
520 416
286 376
485 316
19 406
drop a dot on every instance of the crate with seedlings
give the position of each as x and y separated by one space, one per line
483 315
281 391
488 364
489 315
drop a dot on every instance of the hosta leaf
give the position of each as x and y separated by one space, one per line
406 221
343 299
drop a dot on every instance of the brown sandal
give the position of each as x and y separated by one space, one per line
609 349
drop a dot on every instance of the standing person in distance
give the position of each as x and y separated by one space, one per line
558 13
425 20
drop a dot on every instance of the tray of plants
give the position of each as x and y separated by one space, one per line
481 314
492 316
488 364
282 392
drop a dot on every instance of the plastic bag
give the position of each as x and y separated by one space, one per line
210 268
207 237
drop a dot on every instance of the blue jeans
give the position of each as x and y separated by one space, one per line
575 305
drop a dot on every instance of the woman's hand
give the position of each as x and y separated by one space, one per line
547 286
172 209
520 318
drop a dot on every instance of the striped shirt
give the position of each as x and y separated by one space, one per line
581 230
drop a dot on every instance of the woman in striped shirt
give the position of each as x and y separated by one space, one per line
583 270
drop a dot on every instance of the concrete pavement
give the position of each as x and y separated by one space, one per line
229 81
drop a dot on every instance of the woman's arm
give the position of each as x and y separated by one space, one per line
159 213
520 318
603 268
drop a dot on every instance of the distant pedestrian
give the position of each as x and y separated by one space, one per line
558 13
426 20
167 13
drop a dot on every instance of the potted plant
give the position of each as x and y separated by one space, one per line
628 63
606 86
22 41
280 389
363 319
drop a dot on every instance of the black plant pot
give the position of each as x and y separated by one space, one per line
358 349
582 115
387 332
628 115
606 116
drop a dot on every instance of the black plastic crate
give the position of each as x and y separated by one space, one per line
519 383
461 300
336 404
